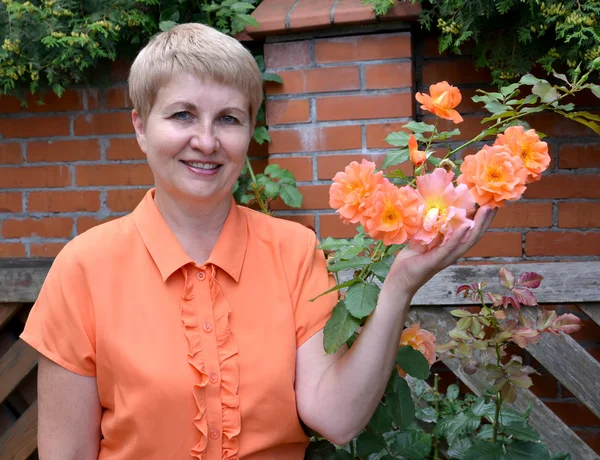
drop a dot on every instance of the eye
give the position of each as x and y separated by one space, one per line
230 120
183 116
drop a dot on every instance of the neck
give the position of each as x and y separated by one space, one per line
196 226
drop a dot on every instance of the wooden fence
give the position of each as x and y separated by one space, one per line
569 363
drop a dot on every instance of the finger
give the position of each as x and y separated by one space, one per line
483 220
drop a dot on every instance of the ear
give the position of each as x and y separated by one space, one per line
138 124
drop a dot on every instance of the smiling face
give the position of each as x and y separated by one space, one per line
195 138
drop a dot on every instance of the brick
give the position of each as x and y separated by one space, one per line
9 104
71 100
258 150
455 72
497 244
104 123
591 438
74 201
544 386
394 75
589 332
119 70
124 200
316 80
312 139
46 249
34 127
521 215
363 48
271 17
562 244
555 125
579 156
12 250
117 98
93 95
573 413
364 107
11 202
124 149
10 153
301 167
119 174
36 176
332 225
311 14
469 128
579 215
308 220
259 165
329 165
287 54
67 151
353 12
313 197
48 227
376 134
288 111
84 223
564 186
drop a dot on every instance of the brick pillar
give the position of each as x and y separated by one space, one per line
339 99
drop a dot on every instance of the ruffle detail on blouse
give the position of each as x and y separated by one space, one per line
229 369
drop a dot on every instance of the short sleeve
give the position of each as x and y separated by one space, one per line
313 280
61 323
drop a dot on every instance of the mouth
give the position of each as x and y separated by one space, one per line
202 167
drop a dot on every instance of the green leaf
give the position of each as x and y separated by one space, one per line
561 456
398 139
460 313
507 90
545 91
401 406
247 19
413 362
454 426
381 421
395 157
240 6
337 288
332 244
369 443
339 328
166 25
267 76
290 195
484 450
412 445
528 79
495 107
319 450
434 160
458 448
358 262
521 431
341 454
426 414
452 392
595 89
419 127
272 189
481 408
382 268
527 451
446 134
261 135
361 299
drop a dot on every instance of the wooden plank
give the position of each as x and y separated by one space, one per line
557 436
570 363
20 441
592 310
7 311
14 367
21 284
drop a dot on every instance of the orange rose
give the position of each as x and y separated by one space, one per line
442 101
421 340
416 156
494 175
393 214
527 146
352 188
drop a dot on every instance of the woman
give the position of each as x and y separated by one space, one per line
185 330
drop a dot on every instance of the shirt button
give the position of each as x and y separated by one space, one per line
201 275
213 378
214 433
207 328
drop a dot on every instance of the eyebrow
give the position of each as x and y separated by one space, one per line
190 106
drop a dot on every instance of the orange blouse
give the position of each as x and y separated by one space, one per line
191 361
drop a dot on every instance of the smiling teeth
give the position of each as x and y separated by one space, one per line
202 165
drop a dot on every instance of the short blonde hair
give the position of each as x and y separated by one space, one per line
199 50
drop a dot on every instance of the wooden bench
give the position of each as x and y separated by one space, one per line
569 363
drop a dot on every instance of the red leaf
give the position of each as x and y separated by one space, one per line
524 296
507 279
545 319
525 336
567 323
464 288
530 280
511 300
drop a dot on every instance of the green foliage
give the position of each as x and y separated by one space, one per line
511 36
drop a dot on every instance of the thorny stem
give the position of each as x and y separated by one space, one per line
259 199
352 449
436 441
498 398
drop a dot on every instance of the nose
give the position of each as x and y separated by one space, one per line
205 139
